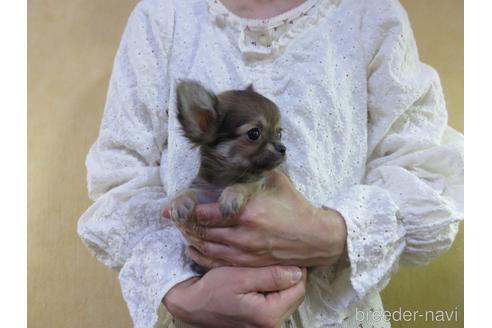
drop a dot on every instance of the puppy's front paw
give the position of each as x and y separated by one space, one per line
231 202
182 207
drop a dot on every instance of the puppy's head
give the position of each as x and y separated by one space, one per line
238 129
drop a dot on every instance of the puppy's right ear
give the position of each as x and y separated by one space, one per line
197 111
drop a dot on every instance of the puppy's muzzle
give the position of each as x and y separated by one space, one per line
280 148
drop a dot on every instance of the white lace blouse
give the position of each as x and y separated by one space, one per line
364 121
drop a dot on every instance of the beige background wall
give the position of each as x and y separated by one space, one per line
71 48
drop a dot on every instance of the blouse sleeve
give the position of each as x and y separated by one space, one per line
123 228
409 206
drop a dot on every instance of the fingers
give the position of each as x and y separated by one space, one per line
203 260
201 234
228 236
233 255
209 215
268 279
194 241
205 215
293 296
224 253
219 251
288 300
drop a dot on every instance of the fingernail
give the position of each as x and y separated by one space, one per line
295 274
165 213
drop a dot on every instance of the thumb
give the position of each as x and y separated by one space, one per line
268 279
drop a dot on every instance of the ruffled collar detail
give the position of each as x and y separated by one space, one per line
267 36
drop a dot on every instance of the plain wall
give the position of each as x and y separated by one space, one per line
71 49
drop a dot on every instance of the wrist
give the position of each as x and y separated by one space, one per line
175 300
334 232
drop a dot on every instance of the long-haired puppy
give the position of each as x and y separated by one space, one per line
238 132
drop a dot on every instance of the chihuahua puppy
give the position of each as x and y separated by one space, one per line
238 132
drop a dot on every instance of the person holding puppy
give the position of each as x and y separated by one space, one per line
372 176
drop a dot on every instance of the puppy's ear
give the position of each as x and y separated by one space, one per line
197 111
250 87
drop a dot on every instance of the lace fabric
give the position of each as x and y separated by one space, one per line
267 36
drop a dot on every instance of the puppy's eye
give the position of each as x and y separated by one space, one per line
254 134
279 134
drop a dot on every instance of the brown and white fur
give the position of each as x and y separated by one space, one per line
238 132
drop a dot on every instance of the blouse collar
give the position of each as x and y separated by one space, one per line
270 35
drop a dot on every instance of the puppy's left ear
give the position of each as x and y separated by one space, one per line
250 87
197 111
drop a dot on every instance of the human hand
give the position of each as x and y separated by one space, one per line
277 226
238 297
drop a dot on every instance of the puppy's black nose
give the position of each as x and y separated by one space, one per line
280 148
